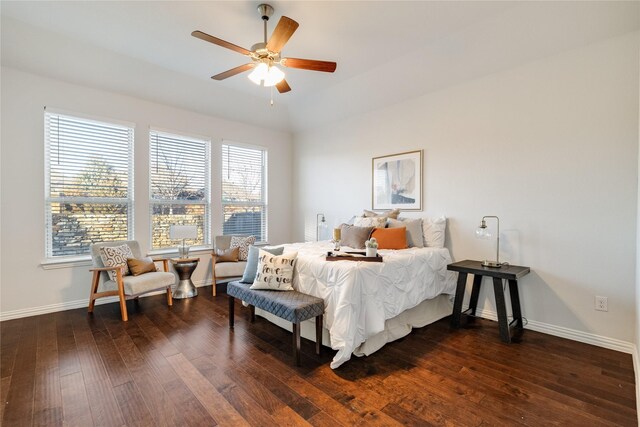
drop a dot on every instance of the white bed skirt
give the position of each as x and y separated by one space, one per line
428 311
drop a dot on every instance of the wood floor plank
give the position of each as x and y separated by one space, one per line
219 408
20 397
75 404
132 405
105 410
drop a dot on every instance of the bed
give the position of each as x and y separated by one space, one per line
367 303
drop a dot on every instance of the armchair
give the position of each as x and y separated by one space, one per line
126 287
224 271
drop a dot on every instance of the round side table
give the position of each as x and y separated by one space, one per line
185 287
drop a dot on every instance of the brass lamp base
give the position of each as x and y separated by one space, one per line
491 264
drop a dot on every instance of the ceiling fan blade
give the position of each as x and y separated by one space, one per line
233 71
283 86
309 64
281 35
219 42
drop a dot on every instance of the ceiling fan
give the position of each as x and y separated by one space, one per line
266 55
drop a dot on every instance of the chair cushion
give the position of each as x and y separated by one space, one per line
134 285
230 269
291 305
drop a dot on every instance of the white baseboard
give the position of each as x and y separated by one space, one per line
70 305
637 374
572 334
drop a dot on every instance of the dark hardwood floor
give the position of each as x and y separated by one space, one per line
182 366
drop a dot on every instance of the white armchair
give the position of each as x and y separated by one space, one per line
126 287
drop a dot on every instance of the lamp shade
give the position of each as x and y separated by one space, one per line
177 232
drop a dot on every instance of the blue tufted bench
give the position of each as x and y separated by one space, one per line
289 305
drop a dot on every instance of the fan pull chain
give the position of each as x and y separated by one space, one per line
272 96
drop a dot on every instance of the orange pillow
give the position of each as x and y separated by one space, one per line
391 238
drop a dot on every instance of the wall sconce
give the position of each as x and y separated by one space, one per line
321 226
483 233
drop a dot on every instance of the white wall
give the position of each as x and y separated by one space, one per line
551 147
26 286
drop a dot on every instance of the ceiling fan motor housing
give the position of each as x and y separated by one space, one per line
265 11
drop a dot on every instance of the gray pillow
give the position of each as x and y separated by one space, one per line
353 236
414 230
251 269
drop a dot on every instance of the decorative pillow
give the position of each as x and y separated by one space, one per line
141 266
275 272
228 255
391 238
371 221
387 214
116 256
243 243
433 231
252 262
414 230
354 236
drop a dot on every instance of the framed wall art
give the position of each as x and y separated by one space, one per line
397 181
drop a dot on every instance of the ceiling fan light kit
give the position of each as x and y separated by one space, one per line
266 55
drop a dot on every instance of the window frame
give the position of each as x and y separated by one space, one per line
208 192
64 260
264 203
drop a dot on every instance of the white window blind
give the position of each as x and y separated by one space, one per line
244 201
180 171
89 183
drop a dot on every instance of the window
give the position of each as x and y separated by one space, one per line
89 183
244 201
180 170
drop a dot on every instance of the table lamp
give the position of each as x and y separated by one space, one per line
483 233
321 226
184 232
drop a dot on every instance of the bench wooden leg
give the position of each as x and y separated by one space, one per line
232 302
252 311
296 343
318 334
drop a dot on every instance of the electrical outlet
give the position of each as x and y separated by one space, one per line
601 303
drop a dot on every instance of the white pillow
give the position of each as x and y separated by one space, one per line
374 221
414 230
275 272
433 231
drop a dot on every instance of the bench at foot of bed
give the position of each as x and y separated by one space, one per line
293 306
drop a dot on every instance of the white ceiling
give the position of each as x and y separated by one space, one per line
386 51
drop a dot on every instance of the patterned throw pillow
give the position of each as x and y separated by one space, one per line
372 221
116 256
275 272
243 243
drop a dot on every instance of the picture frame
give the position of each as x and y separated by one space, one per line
397 181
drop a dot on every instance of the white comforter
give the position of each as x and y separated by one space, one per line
360 296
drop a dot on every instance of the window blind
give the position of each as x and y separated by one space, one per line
89 183
244 201
180 186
